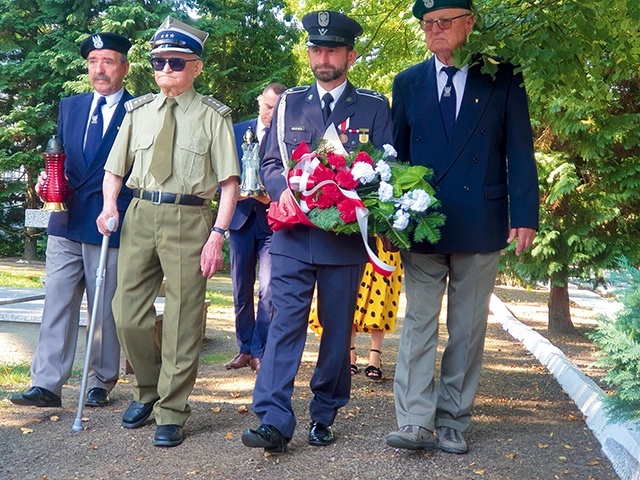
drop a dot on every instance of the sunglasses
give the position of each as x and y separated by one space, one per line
175 64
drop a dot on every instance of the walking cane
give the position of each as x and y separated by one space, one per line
111 225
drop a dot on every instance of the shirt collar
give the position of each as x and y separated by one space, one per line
335 93
110 99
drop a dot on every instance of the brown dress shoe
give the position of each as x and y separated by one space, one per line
241 360
255 364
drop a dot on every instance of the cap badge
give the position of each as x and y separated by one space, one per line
428 3
323 18
323 31
97 41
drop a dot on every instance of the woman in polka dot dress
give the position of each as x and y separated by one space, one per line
376 310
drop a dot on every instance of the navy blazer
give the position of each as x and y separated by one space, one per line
245 206
366 110
85 203
486 177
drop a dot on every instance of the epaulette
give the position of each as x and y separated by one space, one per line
137 102
300 89
219 107
370 93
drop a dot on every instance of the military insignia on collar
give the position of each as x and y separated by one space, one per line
97 41
323 18
428 3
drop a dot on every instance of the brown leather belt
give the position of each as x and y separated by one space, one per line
156 197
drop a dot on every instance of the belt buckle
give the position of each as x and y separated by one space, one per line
153 197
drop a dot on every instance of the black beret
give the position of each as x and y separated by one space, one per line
105 41
330 29
425 6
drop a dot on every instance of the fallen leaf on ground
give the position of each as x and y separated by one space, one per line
481 471
229 436
216 409
54 418
511 455
543 445
243 409
26 430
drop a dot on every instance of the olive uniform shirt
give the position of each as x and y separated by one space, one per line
203 137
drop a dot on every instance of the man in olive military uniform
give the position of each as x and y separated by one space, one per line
303 257
179 147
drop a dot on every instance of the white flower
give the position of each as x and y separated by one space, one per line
385 192
417 200
364 172
384 170
401 220
389 151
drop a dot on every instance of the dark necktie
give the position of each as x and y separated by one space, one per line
326 110
162 156
448 102
263 143
94 132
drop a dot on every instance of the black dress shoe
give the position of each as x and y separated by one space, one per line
320 434
36 397
137 413
267 437
97 397
168 436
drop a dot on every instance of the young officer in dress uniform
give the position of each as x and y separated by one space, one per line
303 257
179 147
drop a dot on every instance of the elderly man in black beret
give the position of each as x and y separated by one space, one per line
87 126
303 257
474 132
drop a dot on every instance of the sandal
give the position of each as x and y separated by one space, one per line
353 367
372 372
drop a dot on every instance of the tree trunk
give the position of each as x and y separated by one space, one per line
559 311
30 242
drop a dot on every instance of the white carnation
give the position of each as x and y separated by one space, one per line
389 151
385 192
363 172
384 170
400 220
416 200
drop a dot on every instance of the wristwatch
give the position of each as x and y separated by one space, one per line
221 231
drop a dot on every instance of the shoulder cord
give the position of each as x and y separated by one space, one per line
284 155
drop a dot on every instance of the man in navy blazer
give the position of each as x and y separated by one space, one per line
303 257
73 245
474 132
249 242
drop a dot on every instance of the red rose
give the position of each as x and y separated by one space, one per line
347 209
324 200
346 180
364 157
335 160
322 173
300 151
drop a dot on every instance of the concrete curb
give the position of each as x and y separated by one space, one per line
620 442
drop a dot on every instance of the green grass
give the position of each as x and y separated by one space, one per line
213 358
15 377
20 280
219 299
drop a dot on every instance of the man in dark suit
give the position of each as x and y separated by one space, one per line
303 257
474 132
87 126
249 241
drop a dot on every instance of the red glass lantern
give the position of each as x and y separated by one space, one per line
56 187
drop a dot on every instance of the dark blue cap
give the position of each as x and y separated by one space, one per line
105 41
176 36
327 28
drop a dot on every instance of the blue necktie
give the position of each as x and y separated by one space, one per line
448 102
94 132
326 110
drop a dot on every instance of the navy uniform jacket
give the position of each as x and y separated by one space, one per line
85 203
244 207
486 177
368 111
